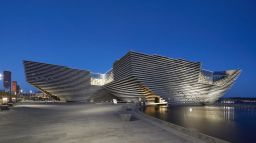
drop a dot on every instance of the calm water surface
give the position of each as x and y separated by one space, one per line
234 124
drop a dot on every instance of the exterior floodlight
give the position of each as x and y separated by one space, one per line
13 99
5 100
114 101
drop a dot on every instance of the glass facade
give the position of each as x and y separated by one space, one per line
206 77
219 76
101 79
210 77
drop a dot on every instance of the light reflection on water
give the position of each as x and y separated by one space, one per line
234 124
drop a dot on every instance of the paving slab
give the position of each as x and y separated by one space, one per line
78 123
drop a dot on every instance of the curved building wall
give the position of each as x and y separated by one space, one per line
66 83
175 80
134 76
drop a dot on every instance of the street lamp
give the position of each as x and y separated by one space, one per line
1 76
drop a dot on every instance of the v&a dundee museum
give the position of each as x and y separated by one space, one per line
136 76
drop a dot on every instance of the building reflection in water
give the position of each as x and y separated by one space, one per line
212 120
229 113
157 111
211 113
233 124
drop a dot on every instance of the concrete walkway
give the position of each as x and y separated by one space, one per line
79 123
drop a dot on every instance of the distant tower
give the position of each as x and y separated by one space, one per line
18 89
7 80
14 87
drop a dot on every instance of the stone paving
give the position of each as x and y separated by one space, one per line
78 123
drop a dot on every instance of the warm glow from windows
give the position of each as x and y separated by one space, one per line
101 79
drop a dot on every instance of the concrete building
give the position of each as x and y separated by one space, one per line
176 81
66 83
136 76
14 87
7 81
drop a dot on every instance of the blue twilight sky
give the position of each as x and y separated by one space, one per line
93 34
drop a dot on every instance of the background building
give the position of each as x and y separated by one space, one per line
7 80
14 87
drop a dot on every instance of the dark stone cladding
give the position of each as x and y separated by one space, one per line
175 80
135 75
67 83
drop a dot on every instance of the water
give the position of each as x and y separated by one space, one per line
235 124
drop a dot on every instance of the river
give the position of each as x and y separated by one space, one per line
232 123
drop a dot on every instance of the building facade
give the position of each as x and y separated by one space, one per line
177 81
7 80
136 76
66 83
14 87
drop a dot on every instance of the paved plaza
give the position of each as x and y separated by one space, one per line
78 123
